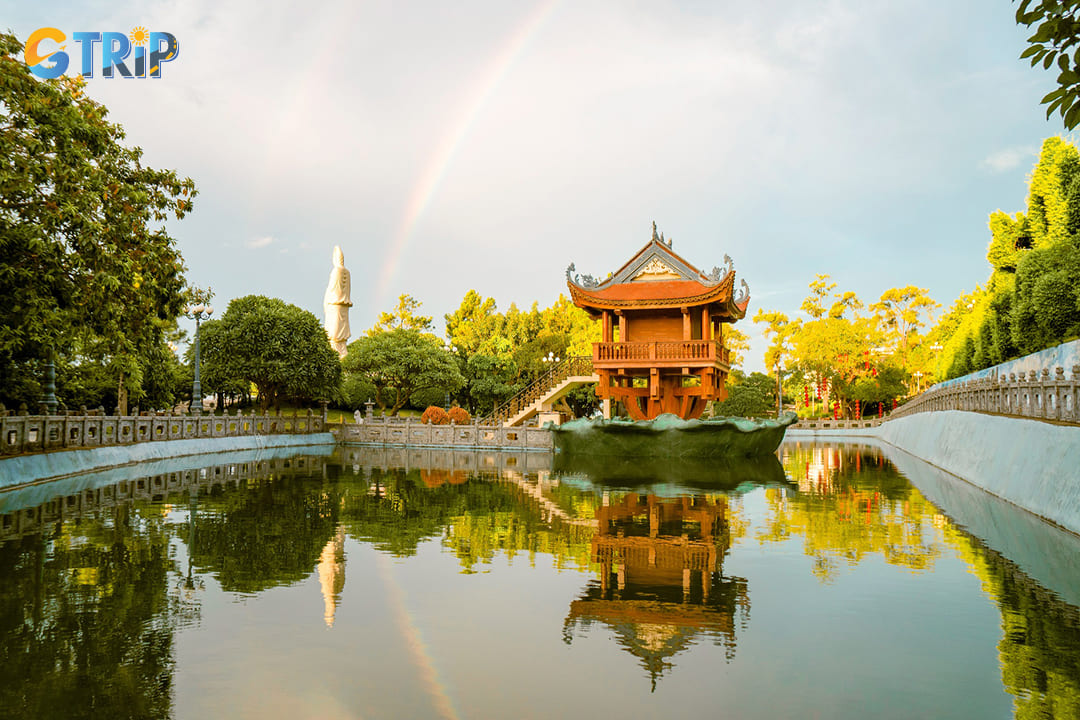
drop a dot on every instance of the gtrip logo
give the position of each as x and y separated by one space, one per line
44 52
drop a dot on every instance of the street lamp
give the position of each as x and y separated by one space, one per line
551 360
198 312
918 381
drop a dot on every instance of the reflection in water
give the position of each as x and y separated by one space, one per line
332 575
852 504
96 583
86 618
688 472
660 582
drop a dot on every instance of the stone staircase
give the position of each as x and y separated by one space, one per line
544 392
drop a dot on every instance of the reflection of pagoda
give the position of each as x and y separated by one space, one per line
332 575
660 582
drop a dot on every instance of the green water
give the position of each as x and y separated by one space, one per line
824 584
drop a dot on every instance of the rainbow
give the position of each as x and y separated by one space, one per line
435 170
414 640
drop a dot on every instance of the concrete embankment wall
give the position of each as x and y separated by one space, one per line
1032 464
26 469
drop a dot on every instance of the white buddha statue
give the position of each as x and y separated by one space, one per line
336 304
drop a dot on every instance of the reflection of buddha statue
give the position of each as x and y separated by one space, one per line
332 575
336 304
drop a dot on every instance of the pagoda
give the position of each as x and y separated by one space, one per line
662 346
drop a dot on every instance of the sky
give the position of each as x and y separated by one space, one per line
486 145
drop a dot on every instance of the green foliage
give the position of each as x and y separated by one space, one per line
403 316
401 362
748 396
861 358
355 391
262 534
1057 31
428 396
87 618
502 353
280 348
582 401
489 381
1032 299
84 256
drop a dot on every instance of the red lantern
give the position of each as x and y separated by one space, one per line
880 411
836 411
894 403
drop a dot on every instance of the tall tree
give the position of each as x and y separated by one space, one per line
401 362
83 247
282 349
737 342
403 316
902 312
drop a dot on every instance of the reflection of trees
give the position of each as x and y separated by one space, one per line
85 619
851 504
267 532
1039 649
477 519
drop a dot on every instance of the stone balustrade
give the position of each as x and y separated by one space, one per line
24 433
1044 396
826 424
401 432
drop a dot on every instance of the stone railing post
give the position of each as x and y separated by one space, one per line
1059 393
1074 394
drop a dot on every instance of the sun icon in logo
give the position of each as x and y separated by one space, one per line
139 35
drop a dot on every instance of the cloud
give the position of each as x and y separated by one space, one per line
259 242
1007 159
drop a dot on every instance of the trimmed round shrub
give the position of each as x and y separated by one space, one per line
435 415
460 416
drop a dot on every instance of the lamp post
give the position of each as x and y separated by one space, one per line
779 392
49 392
551 360
198 312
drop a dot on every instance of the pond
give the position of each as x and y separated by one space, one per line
391 583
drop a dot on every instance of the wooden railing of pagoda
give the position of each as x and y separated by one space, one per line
570 367
661 352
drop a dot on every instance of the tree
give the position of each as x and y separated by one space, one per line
489 381
1032 299
748 396
473 324
83 249
814 304
401 362
403 316
736 341
901 312
1057 32
780 331
280 348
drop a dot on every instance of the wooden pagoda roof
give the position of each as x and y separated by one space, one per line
657 277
